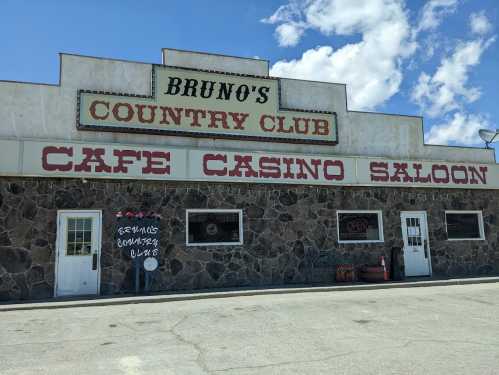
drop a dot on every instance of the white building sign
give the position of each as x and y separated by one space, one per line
116 161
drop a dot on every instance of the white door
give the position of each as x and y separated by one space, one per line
416 244
78 253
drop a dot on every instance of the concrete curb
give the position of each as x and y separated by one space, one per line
111 301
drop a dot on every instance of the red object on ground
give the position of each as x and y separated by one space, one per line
372 274
345 273
385 272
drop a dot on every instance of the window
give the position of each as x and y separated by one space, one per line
214 227
464 225
79 236
359 226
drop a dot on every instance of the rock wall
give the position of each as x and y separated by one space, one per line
290 233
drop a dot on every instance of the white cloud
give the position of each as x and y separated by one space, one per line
433 12
429 45
345 17
447 89
462 129
371 68
290 12
289 34
291 29
479 23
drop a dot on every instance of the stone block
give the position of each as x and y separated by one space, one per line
14 259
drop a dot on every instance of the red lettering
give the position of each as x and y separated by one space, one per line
334 164
93 109
289 162
93 155
463 170
440 167
140 113
305 122
214 157
262 123
418 167
243 162
269 167
122 162
157 162
174 113
379 171
129 112
400 169
239 119
302 163
218 116
474 174
280 128
46 165
196 113
321 127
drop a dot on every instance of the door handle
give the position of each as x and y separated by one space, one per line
94 261
425 247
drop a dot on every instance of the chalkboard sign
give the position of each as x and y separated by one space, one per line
138 237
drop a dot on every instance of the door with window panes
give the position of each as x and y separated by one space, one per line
78 253
416 244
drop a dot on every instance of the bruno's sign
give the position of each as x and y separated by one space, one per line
196 103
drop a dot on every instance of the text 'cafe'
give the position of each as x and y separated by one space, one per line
204 172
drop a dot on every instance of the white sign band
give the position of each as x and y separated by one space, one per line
116 161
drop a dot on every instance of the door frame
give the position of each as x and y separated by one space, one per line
57 243
427 239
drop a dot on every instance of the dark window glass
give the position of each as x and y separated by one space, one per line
462 225
209 227
358 226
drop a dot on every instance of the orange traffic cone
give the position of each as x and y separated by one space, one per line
385 272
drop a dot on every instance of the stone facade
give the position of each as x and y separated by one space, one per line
290 232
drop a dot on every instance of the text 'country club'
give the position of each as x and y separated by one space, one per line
127 112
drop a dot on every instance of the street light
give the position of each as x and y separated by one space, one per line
489 136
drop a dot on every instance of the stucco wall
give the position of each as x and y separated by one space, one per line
221 63
49 111
290 232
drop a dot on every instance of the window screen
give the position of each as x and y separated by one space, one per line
359 226
214 228
463 225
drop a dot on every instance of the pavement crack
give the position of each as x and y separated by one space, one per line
200 352
440 341
90 339
322 359
345 354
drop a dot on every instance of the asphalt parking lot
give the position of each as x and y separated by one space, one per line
433 330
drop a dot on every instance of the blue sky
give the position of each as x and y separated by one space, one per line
436 58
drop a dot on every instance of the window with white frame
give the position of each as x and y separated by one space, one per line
464 225
359 226
214 227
